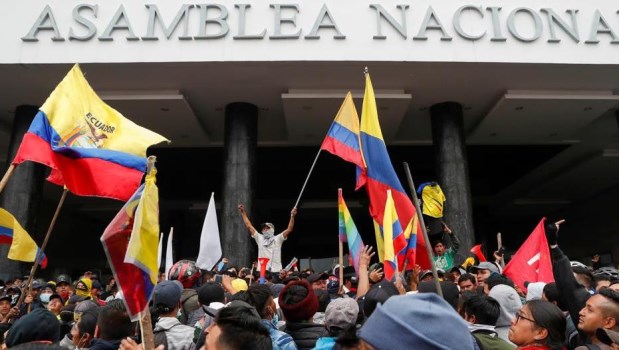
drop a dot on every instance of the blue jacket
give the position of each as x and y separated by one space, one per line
280 340
325 343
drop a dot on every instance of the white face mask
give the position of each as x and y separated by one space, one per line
268 233
45 297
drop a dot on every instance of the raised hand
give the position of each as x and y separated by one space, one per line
366 255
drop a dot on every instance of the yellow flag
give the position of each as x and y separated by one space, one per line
144 241
23 247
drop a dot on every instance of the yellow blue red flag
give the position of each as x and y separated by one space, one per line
342 138
380 176
391 229
23 247
131 243
92 149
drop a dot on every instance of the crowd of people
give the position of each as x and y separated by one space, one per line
231 308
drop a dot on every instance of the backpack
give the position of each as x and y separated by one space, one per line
161 338
189 304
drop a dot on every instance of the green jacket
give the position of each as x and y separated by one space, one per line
488 340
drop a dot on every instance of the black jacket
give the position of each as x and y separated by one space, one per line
305 334
572 293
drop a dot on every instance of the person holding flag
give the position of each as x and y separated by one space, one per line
269 244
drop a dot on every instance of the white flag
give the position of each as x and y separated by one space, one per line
210 246
169 259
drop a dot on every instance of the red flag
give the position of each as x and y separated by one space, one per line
532 261
477 251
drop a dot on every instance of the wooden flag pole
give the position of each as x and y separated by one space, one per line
6 177
146 327
307 178
43 246
411 184
341 262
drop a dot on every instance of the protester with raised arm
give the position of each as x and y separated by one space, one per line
269 244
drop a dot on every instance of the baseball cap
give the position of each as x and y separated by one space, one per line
239 284
211 292
486 265
167 293
6 296
269 225
378 294
341 313
317 276
63 279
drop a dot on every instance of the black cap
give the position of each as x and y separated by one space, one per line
378 294
317 277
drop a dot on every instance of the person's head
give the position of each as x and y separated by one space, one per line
96 289
83 287
167 297
298 301
186 272
439 247
211 292
538 322
450 291
83 330
601 311
318 280
510 303
551 294
378 294
483 271
261 297
268 228
114 322
38 325
494 280
63 285
340 315
5 304
416 321
55 304
237 327
467 282
481 309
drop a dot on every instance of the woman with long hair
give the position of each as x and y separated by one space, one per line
538 325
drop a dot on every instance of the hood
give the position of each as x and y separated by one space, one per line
509 301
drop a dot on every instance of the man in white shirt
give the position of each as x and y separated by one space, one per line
269 244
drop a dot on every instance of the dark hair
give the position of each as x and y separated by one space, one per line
258 296
467 277
496 278
485 309
294 295
242 329
548 315
613 310
114 322
88 322
437 241
552 295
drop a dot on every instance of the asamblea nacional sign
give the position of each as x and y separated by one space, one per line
389 30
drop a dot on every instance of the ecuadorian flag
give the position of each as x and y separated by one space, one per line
380 178
23 247
130 242
342 138
348 232
391 229
92 149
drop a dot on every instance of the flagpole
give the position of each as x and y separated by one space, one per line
411 184
146 327
341 261
6 176
43 246
500 244
307 178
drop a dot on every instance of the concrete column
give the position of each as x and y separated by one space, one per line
240 144
451 164
22 194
